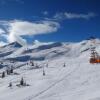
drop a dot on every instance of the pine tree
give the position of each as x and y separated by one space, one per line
22 81
3 74
11 70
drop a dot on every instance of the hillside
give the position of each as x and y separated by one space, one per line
77 80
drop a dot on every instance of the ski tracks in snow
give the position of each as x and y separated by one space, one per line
32 97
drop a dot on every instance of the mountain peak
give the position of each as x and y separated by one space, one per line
15 44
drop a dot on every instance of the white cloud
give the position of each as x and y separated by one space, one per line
2 35
2 43
14 29
18 28
67 15
1 31
29 28
15 37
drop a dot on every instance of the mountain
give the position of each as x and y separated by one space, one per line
9 49
13 44
68 73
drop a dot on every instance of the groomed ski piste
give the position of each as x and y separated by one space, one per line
77 80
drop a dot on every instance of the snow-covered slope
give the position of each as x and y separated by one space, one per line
9 49
78 80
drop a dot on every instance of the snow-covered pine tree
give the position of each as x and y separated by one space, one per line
11 70
22 81
3 74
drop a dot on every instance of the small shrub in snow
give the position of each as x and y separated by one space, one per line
22 83
64 65
10 84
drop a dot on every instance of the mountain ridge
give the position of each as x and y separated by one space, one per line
68 73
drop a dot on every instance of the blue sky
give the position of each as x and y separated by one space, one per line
48 20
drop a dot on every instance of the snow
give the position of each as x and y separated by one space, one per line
78 80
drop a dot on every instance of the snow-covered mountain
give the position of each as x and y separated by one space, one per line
68 73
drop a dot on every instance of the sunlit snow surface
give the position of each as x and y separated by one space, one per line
78 80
